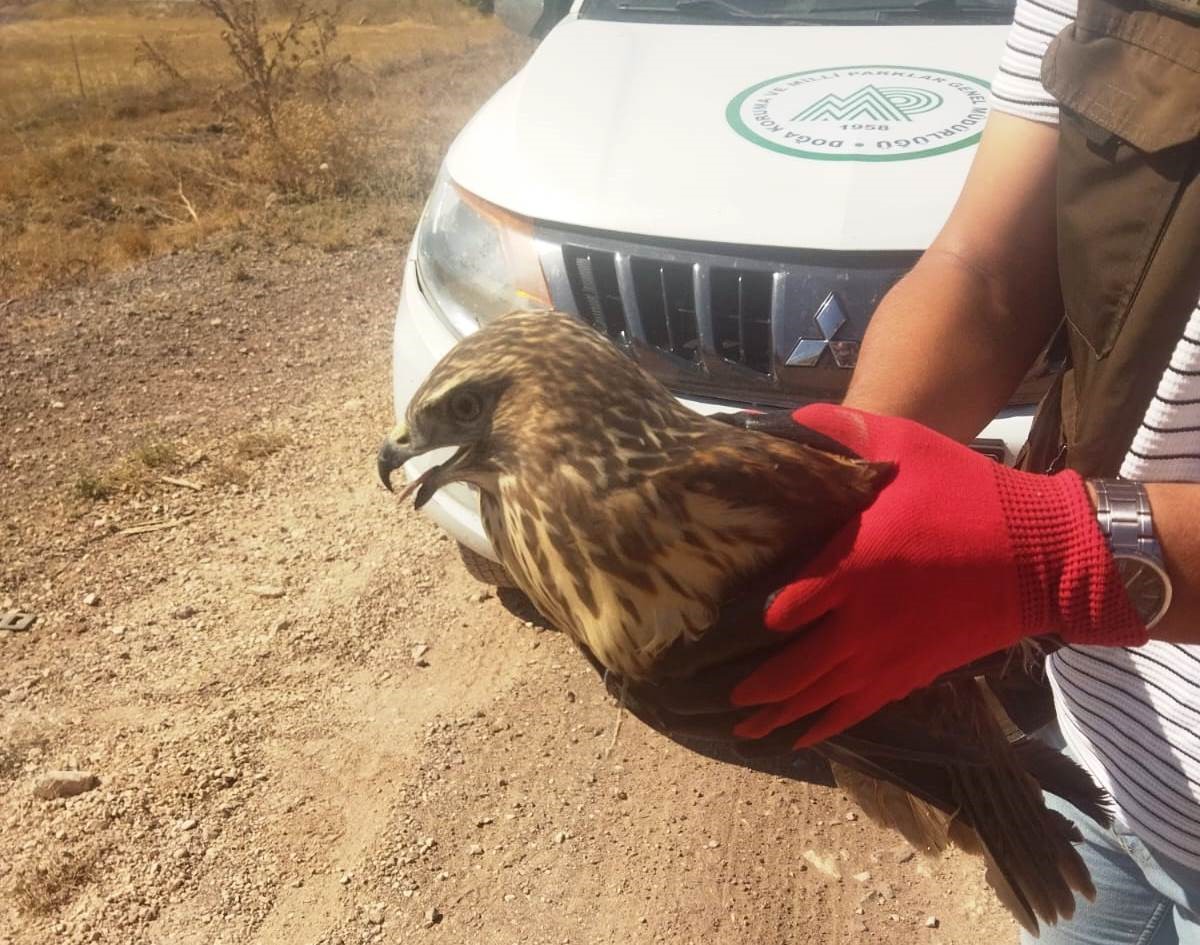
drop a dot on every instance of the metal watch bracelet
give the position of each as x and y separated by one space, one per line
1123 511
1124 516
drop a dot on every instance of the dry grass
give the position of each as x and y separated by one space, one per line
140 470
133 472
120 135
54 879
260 444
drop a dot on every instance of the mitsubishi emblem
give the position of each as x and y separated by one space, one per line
830 319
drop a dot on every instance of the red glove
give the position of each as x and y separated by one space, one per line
958 557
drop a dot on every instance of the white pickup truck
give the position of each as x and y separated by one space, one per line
725 188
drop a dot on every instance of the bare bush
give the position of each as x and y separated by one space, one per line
272 59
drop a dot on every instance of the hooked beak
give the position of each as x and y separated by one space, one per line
397 449
394 452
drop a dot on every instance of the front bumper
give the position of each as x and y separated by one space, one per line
421 339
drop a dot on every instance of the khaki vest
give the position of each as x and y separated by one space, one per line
1127 78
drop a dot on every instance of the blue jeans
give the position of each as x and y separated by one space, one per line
1142 897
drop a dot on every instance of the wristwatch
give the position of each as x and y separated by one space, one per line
1123 511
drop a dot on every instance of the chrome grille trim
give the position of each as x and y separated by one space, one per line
633 318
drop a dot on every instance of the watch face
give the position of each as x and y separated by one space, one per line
1146 585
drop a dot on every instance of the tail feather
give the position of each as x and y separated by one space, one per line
995 808
1061 776
1024 843
1032 847
923 825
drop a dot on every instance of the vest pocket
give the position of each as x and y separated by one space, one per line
1129 95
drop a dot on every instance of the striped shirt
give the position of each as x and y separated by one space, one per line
1131 715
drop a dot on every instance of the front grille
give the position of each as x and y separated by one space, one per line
740 327
744 326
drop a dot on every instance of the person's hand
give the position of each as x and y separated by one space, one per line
957 558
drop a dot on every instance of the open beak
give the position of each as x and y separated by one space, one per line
396 450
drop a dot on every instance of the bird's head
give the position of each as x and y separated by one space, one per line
527 392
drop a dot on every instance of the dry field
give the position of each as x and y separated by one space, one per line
126 129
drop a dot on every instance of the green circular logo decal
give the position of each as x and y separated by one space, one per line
862 113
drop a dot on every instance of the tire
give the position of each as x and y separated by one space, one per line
484 570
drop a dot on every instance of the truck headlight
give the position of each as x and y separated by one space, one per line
476 261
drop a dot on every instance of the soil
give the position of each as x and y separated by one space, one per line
308 724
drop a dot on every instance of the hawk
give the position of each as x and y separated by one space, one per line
653 536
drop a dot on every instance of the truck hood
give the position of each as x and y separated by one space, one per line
789 136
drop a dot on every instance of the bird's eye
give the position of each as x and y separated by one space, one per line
465 406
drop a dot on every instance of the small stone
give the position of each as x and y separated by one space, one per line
57 405
483 821
904 853
272 591
851 816
187 824
433 916
117 631
186 612
560 837
713 844
354 403
216 322
509 897
474 850
345 879
419 651
932 922
55 784
91 599
863 877
823 864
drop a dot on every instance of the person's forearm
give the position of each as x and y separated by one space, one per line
1176 508
947 349
952 340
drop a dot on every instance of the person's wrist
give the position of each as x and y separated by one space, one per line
1092 604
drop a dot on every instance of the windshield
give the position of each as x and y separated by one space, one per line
765 12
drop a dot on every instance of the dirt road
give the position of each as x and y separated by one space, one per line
308 724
